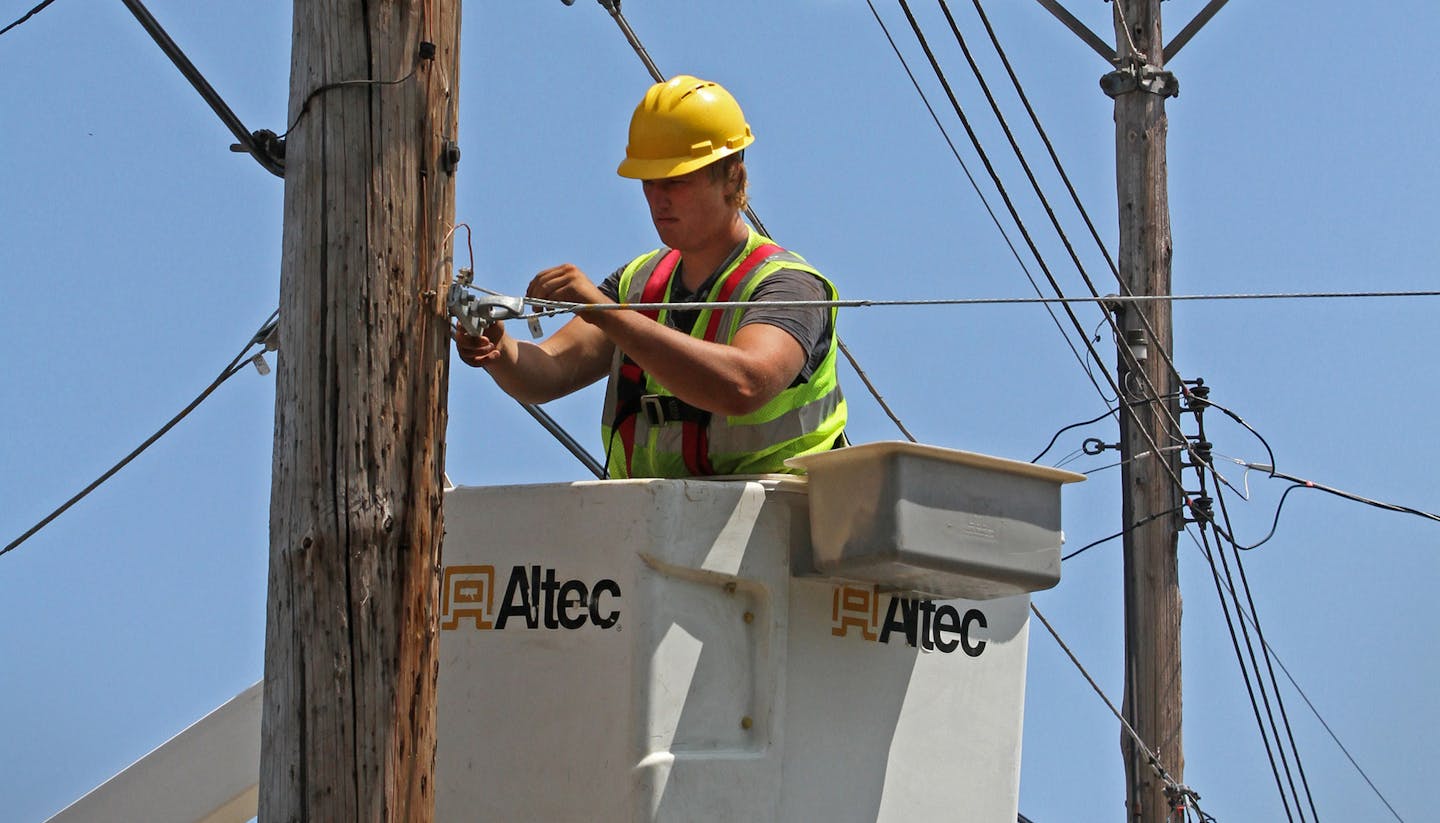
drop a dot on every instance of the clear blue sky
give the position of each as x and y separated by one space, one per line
139 254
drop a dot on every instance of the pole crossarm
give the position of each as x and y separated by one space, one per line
1080 29
1193 27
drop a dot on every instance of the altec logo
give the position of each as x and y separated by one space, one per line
921 622
534 596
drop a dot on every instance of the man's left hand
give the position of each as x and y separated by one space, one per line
566 283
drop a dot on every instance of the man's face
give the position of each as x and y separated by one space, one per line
689 211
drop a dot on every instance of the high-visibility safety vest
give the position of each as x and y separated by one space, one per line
648 432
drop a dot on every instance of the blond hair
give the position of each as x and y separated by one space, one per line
732 169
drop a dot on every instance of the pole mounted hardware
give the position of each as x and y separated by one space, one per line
265 150
477 312
1142 78
450 156
1139 348
1203 508
1201 454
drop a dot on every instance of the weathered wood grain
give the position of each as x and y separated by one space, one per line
351 654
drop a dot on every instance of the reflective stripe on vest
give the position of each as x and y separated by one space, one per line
802 419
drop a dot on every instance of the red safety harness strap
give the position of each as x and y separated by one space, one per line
695 440
632 378
695 434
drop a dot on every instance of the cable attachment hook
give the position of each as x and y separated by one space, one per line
1094 445
476 312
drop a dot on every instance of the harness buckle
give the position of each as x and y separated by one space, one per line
654 408
660 409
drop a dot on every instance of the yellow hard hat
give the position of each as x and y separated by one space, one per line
680 126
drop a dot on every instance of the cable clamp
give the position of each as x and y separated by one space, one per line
1142 78
476 313
264 144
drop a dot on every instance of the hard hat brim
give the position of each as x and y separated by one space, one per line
662 167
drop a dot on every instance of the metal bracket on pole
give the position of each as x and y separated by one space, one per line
1144 78
1191 28
1073 24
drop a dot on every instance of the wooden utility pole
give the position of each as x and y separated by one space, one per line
351 652
1152 592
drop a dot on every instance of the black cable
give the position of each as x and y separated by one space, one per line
229 371
1244 672
261 145
1137 524
1260 683
1202 463
1015 147
1300 483
27 15
1053 440
1132 367
1000 187
1315 711
905 64
1379 504
1043 452
1095 338
1238 419
1025 233
1273 525
1270 668
318 90
1049 147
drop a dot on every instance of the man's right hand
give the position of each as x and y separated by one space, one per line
479 350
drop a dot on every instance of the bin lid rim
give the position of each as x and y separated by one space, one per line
884 449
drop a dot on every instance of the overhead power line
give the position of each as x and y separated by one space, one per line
1264 679
242 359
1130 364
1311 705
975 186
1133 526
1180 792
261 145
27 15
563 307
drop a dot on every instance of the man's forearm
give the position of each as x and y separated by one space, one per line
572 359
724 379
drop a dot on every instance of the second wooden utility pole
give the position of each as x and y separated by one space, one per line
351 651
1152 592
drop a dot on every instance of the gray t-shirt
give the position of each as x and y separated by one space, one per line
809 326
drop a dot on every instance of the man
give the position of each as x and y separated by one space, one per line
691 393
